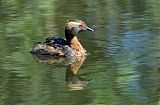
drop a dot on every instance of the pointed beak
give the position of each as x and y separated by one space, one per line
89 29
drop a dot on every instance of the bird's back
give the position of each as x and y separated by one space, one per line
53 46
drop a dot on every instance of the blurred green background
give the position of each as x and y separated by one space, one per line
124 52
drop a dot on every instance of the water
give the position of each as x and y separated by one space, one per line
122 67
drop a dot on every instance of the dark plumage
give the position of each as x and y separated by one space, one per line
52 40
58 44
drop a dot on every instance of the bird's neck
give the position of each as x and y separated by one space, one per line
75 44
73 40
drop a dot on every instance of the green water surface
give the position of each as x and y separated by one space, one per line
123 53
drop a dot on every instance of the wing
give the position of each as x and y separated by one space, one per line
51 46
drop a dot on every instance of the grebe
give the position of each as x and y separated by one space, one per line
69 47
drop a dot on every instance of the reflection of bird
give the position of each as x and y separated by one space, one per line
74 82
69 47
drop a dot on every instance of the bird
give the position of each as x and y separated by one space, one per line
68 47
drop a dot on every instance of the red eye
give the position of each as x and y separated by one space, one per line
80 26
